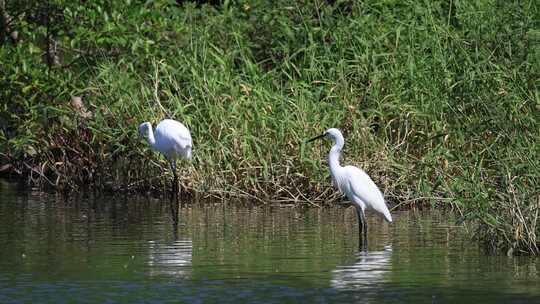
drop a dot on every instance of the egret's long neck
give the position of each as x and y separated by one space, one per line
151 138
333 156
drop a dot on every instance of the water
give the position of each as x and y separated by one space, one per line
125 250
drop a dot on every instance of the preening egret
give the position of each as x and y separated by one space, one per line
172 139
354 183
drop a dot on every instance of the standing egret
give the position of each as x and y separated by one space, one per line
172 139
354 183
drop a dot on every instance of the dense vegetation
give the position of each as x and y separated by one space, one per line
438 100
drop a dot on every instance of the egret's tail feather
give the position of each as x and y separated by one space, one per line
387 215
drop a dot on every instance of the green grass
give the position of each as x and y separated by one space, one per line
438 102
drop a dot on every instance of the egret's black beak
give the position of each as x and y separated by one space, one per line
316 137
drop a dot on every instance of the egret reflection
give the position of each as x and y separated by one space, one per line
369 270
170 258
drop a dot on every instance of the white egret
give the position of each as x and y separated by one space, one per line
172 139
354 183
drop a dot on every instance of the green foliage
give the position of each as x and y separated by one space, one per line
438 100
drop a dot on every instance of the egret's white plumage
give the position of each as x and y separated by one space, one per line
171 138
354 182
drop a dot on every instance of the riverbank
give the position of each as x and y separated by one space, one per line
437 102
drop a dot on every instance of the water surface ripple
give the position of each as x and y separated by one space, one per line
56 250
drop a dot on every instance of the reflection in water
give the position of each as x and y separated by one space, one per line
369 271
120 250
171 259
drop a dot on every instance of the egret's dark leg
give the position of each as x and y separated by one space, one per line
362 229
364 222
173 168
174 196
175 177
171 207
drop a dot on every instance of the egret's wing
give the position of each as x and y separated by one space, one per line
173 139
365 189
174 132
